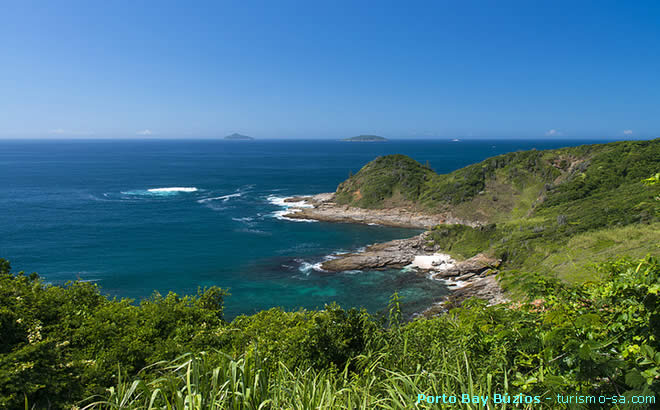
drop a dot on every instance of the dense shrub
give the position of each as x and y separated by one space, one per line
61 345
58 344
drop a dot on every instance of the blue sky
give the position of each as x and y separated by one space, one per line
312 69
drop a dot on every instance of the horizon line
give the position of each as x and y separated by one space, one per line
339 139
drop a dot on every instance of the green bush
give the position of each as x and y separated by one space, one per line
61 345
58 344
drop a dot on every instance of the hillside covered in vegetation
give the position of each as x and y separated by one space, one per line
503 186
553 211
574 329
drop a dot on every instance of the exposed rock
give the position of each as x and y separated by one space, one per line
324 209
483 288
478 264
312 200
473 277
393 254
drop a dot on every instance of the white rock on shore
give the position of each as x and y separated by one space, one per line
434 261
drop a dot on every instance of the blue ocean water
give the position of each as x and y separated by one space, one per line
173 215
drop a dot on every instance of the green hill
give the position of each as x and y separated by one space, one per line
531 204
384 180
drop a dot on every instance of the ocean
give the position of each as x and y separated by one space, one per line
139 216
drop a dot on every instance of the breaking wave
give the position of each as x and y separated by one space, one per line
173 189
223 198
281 202
168 191
307 267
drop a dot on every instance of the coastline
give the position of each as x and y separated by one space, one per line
473 277
321 207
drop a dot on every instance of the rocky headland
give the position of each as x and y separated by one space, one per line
322 207
473 277
524 205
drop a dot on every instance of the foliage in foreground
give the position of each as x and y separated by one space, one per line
69 345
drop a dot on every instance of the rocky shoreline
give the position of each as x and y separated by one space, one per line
321 207
473 277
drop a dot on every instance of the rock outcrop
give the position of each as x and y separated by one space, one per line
477 265
481 287
393 254
473 277
324 209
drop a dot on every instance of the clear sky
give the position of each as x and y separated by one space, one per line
330 69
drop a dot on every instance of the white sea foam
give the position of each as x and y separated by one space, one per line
307 267
454 284
253 231
223 198
172 189
160 191
244 219
337 254
279 201
281 216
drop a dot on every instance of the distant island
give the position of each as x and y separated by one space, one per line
366 138
236 136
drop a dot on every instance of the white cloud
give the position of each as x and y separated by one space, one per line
144 132
553 133
627 132
58 131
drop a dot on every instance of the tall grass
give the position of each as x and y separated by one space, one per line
191 383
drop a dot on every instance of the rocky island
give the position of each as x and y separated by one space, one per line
238 137
366 138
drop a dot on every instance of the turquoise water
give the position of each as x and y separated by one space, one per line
139 216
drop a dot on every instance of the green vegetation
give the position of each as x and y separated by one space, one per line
70 346
561 175
552 211
384 178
